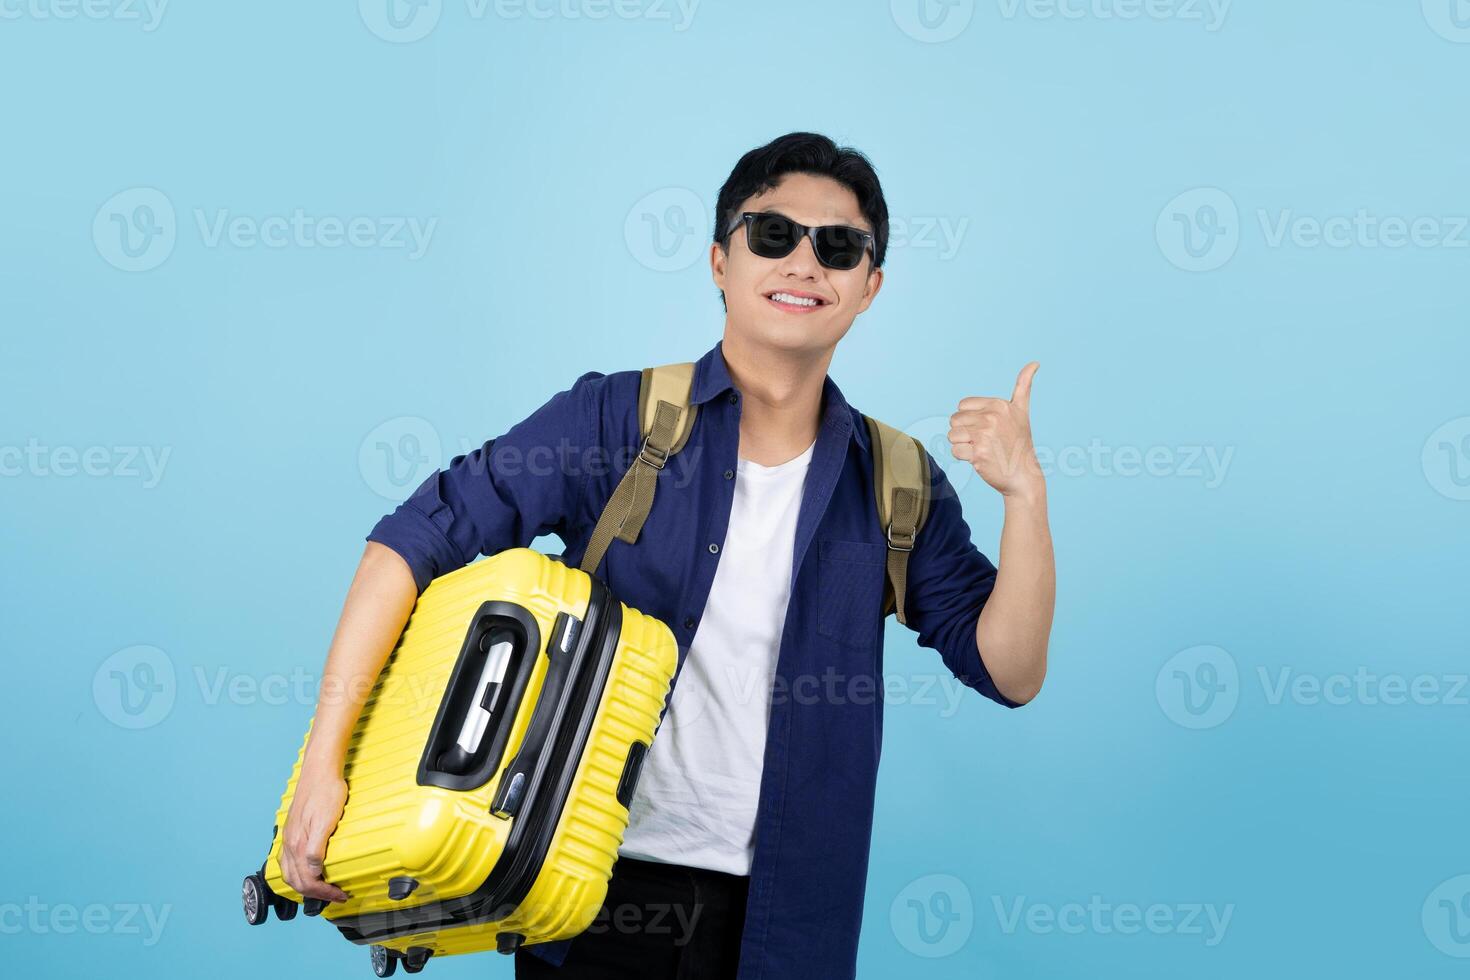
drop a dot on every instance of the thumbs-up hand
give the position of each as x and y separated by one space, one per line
994 434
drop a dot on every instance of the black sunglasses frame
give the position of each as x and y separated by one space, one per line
802 231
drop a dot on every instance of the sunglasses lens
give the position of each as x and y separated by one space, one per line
771 236
839 247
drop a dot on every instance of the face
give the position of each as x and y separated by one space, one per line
750 281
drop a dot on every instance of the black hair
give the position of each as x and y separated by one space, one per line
761 169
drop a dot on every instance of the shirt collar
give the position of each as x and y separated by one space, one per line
712 377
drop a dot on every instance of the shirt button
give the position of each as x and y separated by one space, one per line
689 622
714 549
729 474
733 398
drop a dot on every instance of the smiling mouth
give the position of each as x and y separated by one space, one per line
794 302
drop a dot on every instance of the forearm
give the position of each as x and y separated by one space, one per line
1015 624
378 604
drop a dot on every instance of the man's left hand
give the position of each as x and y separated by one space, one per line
994 435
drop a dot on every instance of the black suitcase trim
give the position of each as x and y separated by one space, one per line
531 832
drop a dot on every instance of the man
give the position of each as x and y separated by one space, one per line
747 847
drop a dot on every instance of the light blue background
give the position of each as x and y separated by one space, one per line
1335 541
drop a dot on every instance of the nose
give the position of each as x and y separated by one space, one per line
802 262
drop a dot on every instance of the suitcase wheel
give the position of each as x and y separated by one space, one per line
385 961
415 958
255 896
285 908
314 906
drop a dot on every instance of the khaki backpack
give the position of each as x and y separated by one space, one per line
900 477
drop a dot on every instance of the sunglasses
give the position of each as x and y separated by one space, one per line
775 236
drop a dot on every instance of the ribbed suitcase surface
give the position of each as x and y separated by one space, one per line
447 841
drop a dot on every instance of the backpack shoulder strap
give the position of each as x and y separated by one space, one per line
665 419
901 485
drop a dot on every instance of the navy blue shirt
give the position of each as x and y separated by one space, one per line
552 473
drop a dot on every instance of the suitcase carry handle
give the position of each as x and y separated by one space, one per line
484 694
560 673
486 701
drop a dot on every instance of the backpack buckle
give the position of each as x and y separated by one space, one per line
652 455
905 540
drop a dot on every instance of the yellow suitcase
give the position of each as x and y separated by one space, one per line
490 771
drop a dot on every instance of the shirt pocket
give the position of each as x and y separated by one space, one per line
851 578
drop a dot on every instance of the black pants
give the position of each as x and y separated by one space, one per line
658 920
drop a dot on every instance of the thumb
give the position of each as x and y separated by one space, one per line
1022 395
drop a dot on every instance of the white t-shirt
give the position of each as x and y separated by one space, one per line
695 802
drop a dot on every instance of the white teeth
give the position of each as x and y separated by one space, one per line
793 300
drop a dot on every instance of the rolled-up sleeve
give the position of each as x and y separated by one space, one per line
949 581
516 487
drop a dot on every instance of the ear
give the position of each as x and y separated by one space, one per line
870 289
717 260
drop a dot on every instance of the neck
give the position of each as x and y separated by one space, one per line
781 393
